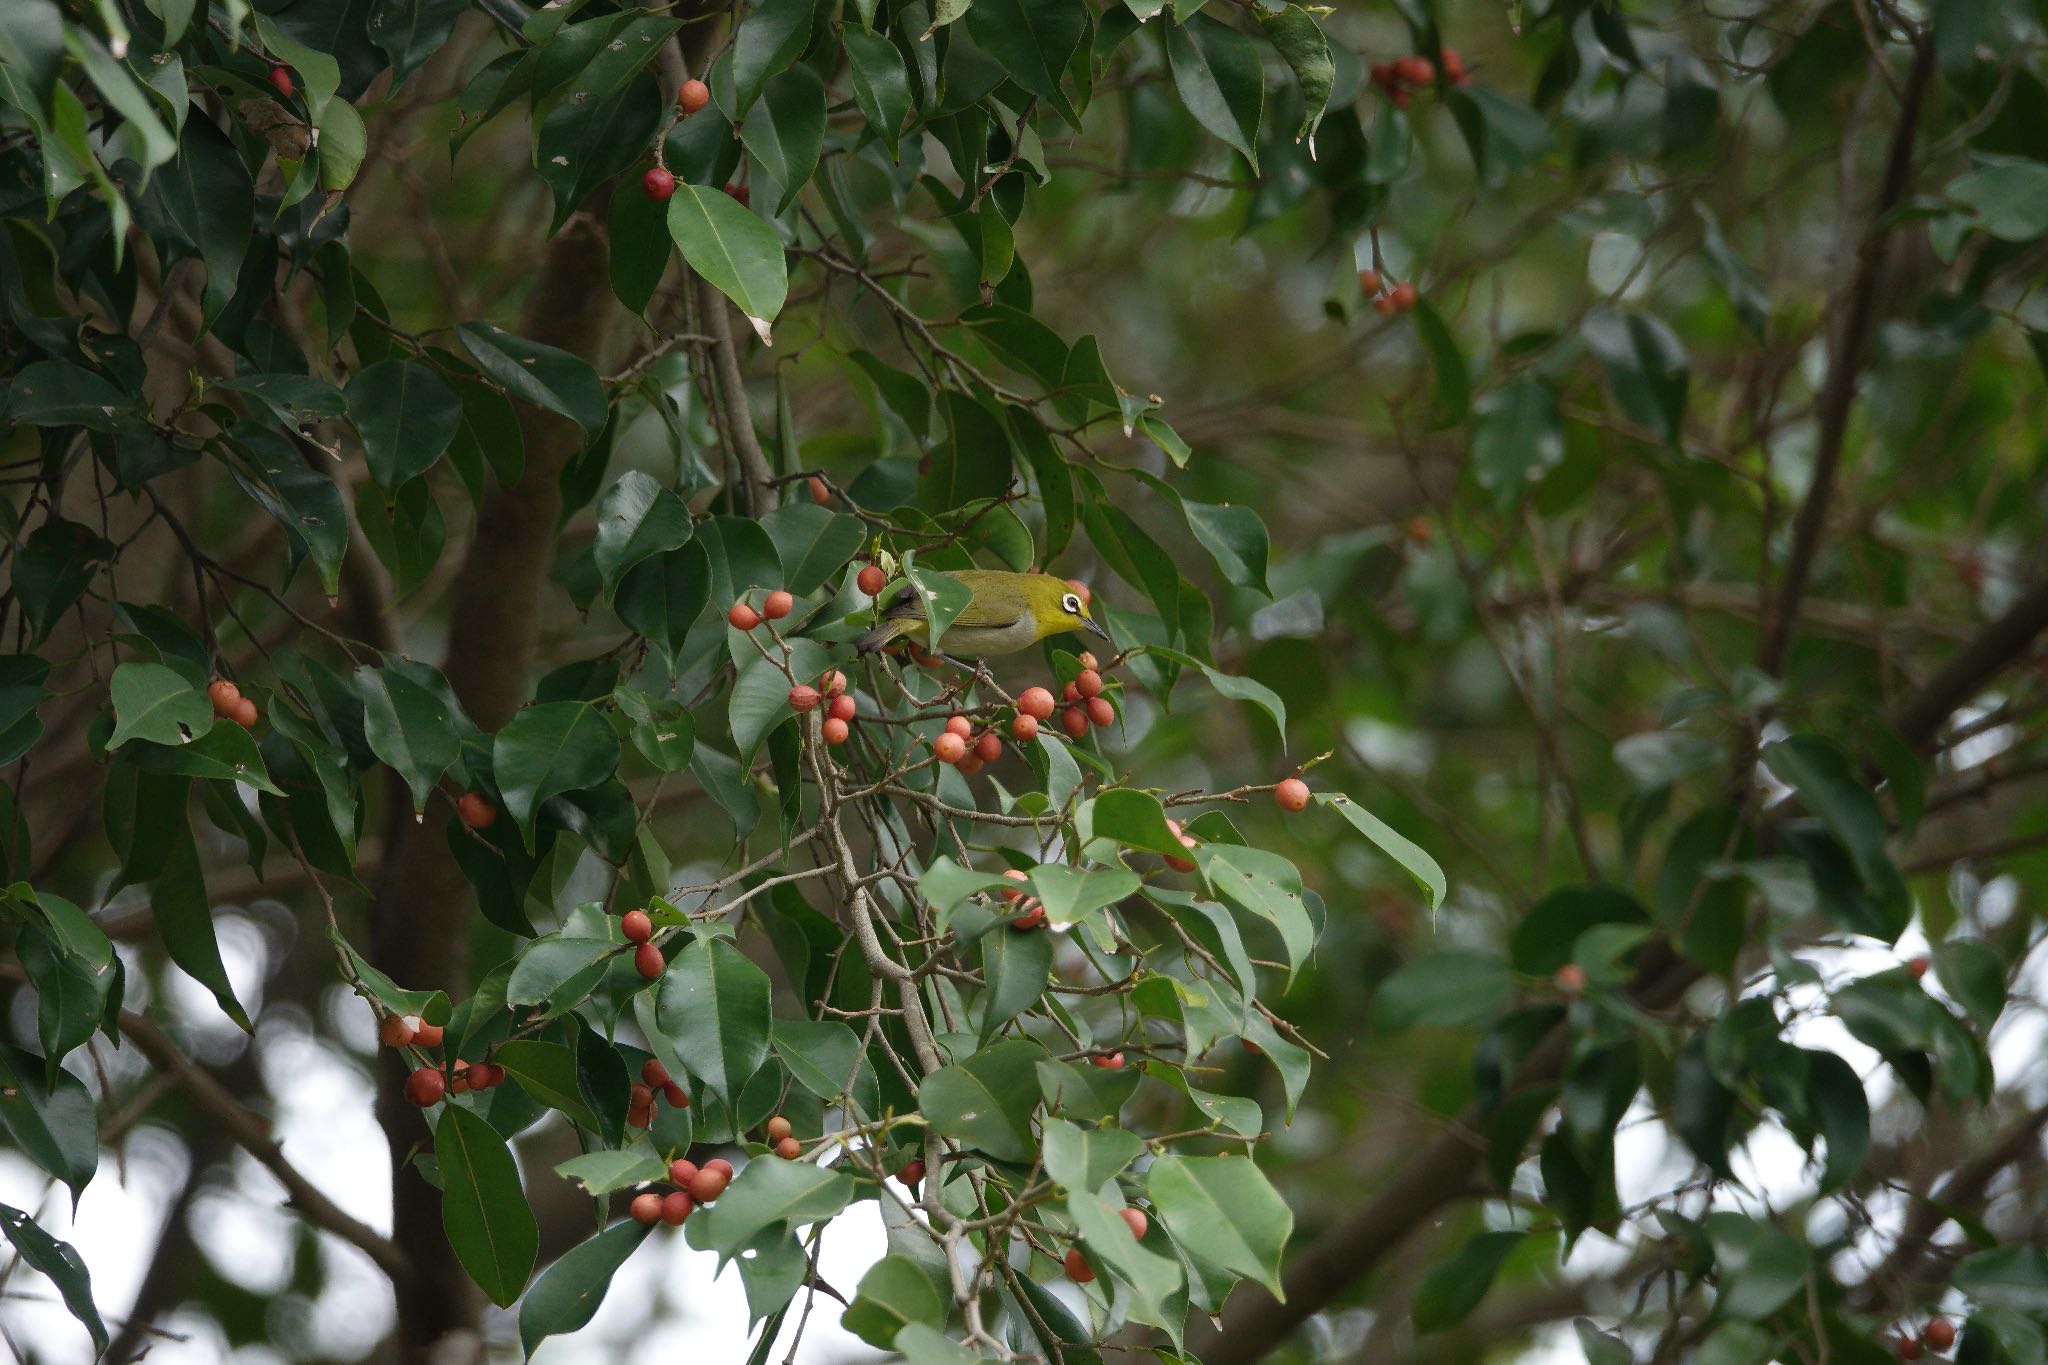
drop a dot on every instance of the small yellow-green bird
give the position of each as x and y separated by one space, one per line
1008 612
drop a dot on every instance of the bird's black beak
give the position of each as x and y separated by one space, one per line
1095 626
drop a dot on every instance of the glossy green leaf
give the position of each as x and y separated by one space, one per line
731 247
155 703
406 415
1299 40
539 374
1222 1212
713 1007
986 1101
1448 988
769 1191
1646 367
567 1294
602 1171
785 130
548 749
483 1207
61 1262
1216 70
1412 858
1452 1289
894 1293
49 1120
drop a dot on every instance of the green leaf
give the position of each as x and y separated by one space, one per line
1646 366
640 243
411 725
540 374
1071 895
156 703
406 415
1414 860
59 561
226 753
1033 41
558 969
2010 1277
1268 886
50 1119
1974 974
769 1191
732 248
1299 40
1543 941
184 917
1086 1159
547 1072
1449 988
714 1007
602 1171
567 1294
1155 1279
1835 1094
1761 1266
881 83
1235 538
1086 1093
1517 439
2010 199
824 1057
894 1293
636 519
772 36
58 1260
548 749
785 130
483 1206
1134 819
760 698
986 1101
1224 1213
1015 968
813 543
1450 1291
662 597
1216 70
208 194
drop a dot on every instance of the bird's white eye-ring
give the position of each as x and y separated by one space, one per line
1071 604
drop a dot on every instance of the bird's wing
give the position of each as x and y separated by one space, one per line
904 606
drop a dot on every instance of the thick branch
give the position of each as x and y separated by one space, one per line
252 1134
734 418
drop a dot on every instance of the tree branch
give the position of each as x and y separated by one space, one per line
736 421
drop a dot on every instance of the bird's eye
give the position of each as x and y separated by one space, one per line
1071 604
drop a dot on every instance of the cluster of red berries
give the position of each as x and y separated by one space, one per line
959 746
475 810
408 1030
1385 301
837 701
230 704
654 1085
426 1086
638 927
1400 79
1082 703
693 1186
1077 1267
774 607
1937 1336
1030 910
781 1139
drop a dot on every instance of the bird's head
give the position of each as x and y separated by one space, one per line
1060 605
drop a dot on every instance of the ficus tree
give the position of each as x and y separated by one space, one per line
451 447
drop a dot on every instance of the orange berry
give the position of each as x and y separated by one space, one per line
1100 712
1081 588
836 731
743 617
777 1128
1136 1220
281 81
872 580
475 810
427 1035
1036 702
959 725
1086 658
658 184
692 96
681 1173
1939 1334
1088 683
1015 875
637 925
1186 841
395 1031
1253 1048
821 492
675 1207
1403 296
1112 1062
1024 728
843 707
1074 721
778 605
1078 1269
677 1097
1571 979
223 694
1291 795
244 713
648 961
1369 282
804 697
1415 70
646 1208
709 1183
789 1149
653 1073
1420 531
833 682
989 746
1033 916
1384 305
1918 967
719 1163
970 765
949 748
425 1087
1454 67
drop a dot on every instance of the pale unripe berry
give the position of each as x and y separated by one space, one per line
1036 702
1291 795
949 748
1137 1221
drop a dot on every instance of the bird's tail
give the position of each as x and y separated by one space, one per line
883 635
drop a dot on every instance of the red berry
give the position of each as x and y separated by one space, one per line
458 1078
653 1073
637 926
1454 67
244 713
648 961
475 810
1113 1062
1383 75
912 1172
641 1096
1036 702
778 605
1137 1220
1024 728
989 746
1403 296
970 765
223 694
1415 70
638 1116
872 580
1089 683
843 707
1016 875
743 617
659 183
1918 967
1087 660
1401 98
804 697
394 1031
1420 531
281 81
789 1149
1571 979
1070 693
1253 1048
1940 1333
1369 282
1033 916
681 1173
425 1087
833 682
495 1075
675 1207
709 1183
740 193
647 1208
949 748
677 1097
1291 795
693 95
1078 1269
959 725
427 1035
721 1165
1907 1347
821 492
1074 721
777 1128
1100 712
1384 305
836 731
1081 589
1186 841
